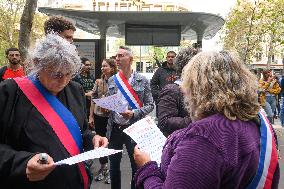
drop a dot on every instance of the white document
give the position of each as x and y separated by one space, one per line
92 154
148 137
113 102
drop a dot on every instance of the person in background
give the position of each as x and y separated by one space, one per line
137 108
269 88
163 76
43 120
60 26
224 145
87 81
99 116
172 114
14 69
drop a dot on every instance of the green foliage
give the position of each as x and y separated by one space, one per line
11 11
250 24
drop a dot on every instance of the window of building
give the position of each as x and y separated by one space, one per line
258 56
139 66
107 46
149 67
273 58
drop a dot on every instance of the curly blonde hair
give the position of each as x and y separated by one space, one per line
218 82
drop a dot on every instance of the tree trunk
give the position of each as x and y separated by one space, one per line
270 50
248 49
26 24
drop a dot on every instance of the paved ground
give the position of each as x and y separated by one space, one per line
126 171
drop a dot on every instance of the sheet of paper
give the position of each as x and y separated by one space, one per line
113 102
148 137
92 154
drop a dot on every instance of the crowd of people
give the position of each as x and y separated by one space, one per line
216 118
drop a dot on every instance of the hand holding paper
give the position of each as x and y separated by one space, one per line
148 137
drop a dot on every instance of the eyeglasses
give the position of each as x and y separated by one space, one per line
88 65
58 75
120 55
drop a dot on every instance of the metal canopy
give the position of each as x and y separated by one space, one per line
112 23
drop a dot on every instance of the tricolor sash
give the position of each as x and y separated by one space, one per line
127 91
57 115
268 158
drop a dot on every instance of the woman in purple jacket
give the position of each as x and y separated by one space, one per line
221 147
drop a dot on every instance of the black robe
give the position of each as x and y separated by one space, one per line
24 132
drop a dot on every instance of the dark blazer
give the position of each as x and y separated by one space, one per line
24 132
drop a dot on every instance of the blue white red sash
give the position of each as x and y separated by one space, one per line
127 91
268 158
57 115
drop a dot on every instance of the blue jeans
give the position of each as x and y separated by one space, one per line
117 139
270 106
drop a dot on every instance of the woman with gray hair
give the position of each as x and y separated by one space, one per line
43 121
229 143
172 114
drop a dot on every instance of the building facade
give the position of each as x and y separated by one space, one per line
143 61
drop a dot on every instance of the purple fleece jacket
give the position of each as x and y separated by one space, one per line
214 152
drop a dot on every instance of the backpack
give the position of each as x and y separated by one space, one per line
2 72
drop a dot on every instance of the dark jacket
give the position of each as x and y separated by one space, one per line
172 114
2 72
163 76
25 132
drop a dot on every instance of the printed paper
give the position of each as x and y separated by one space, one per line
92 154
148 137
113 102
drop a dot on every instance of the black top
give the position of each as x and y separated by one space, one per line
87 82
24 132
163 76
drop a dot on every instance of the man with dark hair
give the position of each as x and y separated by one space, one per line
163 76
87 81
60 26
14 69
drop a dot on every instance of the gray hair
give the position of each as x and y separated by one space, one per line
129 51
53 51
183 57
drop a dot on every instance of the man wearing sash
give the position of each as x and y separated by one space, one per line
135 90
43 120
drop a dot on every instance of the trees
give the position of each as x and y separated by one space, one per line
11 11
26 23
251 25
